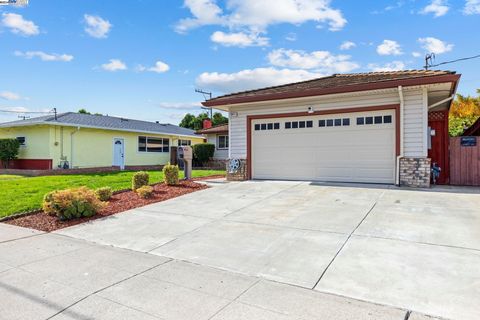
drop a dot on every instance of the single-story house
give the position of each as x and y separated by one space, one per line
217 135
377 127
77 140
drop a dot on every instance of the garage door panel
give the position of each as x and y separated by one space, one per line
346 152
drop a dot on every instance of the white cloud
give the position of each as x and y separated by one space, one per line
257 15
238 39
7 95
180 105
159 67
44 56
391 66
416 54
114 65
437 7
96 26
472 7
292 36
389 47
17 24
435 45
252 78
321 61
347 45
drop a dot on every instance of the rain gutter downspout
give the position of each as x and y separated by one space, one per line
402 107
71 146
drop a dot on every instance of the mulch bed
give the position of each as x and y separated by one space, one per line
119 202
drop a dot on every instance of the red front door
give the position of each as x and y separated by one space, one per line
438 151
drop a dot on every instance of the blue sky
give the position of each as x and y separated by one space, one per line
143 58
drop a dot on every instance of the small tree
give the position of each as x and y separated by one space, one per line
8 150
203 152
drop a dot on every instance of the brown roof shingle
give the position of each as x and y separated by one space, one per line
337 83
217 129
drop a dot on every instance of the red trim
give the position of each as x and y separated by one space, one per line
395 107
31 164
447 147
345 89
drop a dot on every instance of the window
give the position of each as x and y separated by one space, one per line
360 121
368 120
150 144
184 143
22 141
288 125
338 122
263 126
276 126
330 123
295 124
387 119
378 119
257 127
346 122
309 124
301 124
321 123
222 142
270 126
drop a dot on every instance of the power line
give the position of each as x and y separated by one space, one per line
429 58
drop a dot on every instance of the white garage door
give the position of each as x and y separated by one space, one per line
353 147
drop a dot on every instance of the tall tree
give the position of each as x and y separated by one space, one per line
464 112
83 111
219 119
188 121
196 122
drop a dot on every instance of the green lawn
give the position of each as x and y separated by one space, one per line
20 194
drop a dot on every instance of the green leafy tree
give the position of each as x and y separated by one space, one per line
8 150
188 121
83 111
219 119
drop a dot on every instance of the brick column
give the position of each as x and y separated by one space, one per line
415 172
241 174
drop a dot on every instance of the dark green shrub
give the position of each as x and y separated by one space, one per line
8 150
203 152
145 192
170 173
104 194
71 203
140 179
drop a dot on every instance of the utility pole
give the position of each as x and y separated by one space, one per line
205 94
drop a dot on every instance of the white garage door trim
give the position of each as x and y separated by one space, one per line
327 146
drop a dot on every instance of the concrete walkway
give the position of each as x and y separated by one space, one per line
300 247
47 276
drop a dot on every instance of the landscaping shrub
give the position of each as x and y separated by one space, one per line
140 179
104 194
72 203
145 192
8 150
202 152
170 172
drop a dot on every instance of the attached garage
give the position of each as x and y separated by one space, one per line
343 147
365 127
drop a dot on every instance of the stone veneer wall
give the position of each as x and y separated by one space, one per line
415 172
241 174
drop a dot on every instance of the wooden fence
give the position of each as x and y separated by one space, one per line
465 161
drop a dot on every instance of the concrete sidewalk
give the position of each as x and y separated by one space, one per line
48 276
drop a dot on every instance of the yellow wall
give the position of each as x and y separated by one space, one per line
91 147
37 141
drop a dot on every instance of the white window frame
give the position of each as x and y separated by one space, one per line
180 142
146 144
226 139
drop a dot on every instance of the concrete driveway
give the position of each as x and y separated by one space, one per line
415 250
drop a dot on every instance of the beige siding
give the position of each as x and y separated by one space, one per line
414 144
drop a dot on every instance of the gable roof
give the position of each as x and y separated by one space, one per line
73 119
338 83
473 130
217 129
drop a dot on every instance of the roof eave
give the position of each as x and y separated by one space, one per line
345 89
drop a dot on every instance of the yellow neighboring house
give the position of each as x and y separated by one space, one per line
74 140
